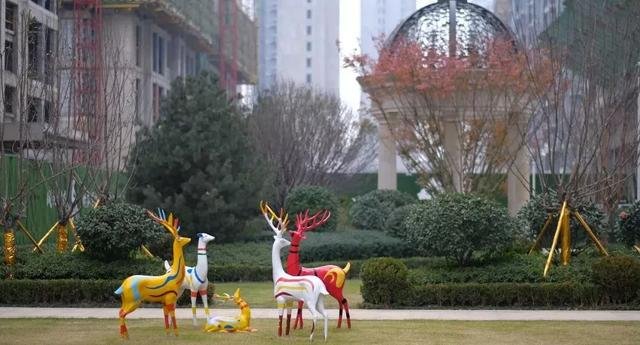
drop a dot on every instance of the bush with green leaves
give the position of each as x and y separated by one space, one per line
396 224
114 231
534 214
457 225
314 199
385 282
371 211
619 277
629 225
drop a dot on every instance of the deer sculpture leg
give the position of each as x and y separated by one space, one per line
172 312
288 318
165 311
323 312
205 301
194 297
299 316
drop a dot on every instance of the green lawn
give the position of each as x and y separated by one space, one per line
260 294
105 331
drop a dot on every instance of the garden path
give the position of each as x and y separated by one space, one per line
357 314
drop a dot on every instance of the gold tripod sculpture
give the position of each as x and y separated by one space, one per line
563 229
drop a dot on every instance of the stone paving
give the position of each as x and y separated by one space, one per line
356 314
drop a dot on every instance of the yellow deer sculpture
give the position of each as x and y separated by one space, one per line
240 323
159 289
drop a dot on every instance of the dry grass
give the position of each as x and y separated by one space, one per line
105 331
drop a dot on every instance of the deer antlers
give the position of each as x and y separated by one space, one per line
304 222
269 215
170 223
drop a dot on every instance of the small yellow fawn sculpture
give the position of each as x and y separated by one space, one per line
240 323
159 289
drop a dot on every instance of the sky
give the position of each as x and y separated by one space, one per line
350 42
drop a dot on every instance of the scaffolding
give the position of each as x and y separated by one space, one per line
87 72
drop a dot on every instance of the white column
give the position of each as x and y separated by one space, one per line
518 175
453 152
387 171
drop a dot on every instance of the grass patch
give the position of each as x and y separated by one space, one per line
101 331
260 294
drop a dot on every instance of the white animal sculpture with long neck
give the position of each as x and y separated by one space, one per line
196 277
288 289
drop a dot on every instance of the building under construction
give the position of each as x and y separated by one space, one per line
117 57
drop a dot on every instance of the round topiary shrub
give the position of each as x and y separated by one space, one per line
385 282
314 199
618 276
534 214
629 225
115 230
370 211
396 223
456 225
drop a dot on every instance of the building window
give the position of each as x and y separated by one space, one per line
158 93
9 56
308 62
308 78
158 53
34 110
10 16
308 29
138 92
308 46
48 108
9 100
308 14
48 58
138 44
34 44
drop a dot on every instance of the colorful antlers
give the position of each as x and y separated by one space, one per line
170 223
304 222
269 215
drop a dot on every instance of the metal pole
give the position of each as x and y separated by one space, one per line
452 28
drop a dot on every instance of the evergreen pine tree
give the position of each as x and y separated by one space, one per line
197 162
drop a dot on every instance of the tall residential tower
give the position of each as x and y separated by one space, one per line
298 41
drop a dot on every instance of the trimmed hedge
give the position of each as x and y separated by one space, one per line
384 282
619 277
80 266
519 268
507 295
67 292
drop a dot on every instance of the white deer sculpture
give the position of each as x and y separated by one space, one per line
288 289
195 278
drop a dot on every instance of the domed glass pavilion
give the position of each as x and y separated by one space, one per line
455 29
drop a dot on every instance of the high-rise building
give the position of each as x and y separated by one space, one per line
378 18
298 41
27 40
531 17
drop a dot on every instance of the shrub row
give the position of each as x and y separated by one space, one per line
67 292
507 295
332 246
386 282
517 268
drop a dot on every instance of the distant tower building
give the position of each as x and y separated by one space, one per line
531 17
298 41
378 19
